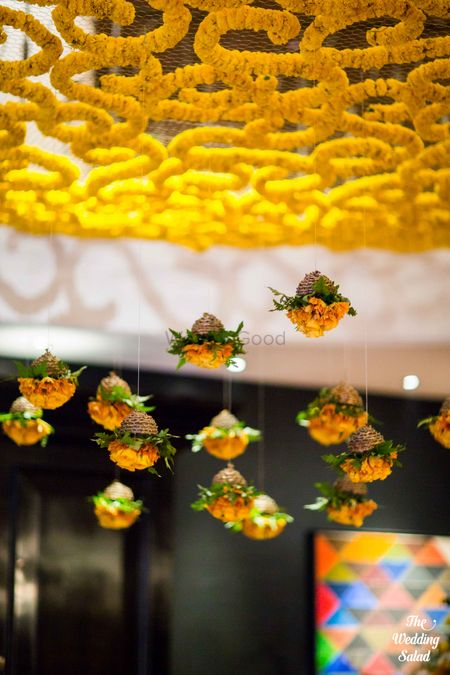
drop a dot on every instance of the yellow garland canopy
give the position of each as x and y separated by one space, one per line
228 121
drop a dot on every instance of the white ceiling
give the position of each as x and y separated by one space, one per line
111 291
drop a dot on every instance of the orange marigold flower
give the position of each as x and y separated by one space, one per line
318 317
263 531
114 518
227 511
107 413
208 354
372 468
440 429
48 392
331 427
128 458
28 432
352 513
226 448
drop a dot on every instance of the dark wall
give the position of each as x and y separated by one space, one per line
224 603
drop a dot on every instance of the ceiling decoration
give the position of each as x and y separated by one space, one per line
228 121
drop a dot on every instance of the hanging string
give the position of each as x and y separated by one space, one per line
314 173
227 394
116 472
366 377
261 416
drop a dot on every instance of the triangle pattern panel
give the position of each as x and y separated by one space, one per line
325 555
326 603
376 582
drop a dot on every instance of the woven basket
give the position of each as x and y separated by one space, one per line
445 407
230 476
118 490
346 485
113 380
225 420
346 394
305 287
208 323
139 423
364 439
265 504
53 365
21 405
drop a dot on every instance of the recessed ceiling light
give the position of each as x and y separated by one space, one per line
237 365
410 382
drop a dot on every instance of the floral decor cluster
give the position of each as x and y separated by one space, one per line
336 415
252 161
242 507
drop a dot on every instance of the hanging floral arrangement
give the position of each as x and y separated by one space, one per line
137 444
265 520
116 508
24 424
207 344
48 382
226 437
439 425
316 307
334 415
229 498
114 401
345 502
368 456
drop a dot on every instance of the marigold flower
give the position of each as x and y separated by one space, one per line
372 468
331 427
112 518
208 354
264 530
27 432
226 448
317 317
352 513
48 392
229 511
107 413
440 429
127 458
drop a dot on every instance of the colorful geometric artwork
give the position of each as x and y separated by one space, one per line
379 601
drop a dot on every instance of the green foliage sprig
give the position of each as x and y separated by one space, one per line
118 394
325 397
236 430
208 495
217 339
427 421
383 449
333 497
261 520
121 503
161 440
324 289
40 371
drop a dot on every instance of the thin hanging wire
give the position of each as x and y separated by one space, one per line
261 416
227 391
366 359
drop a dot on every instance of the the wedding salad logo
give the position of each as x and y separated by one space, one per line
415 642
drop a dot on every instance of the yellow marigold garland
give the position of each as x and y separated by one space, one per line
319 192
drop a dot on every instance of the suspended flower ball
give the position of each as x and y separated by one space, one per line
226 437
137 444
229 498
116 508
345 502
439 425
368 457
316 307
265 520
114 401
24 424
334 415
48 382
207 344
